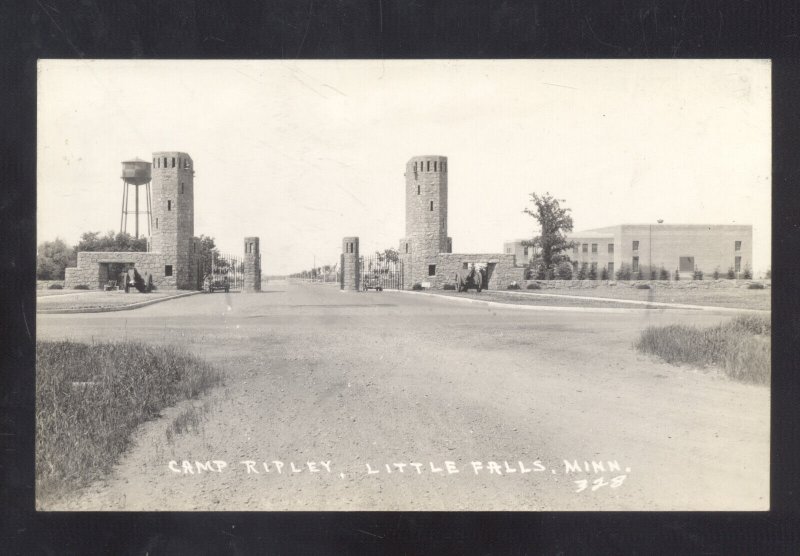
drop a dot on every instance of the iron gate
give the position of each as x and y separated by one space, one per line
220 267
379 272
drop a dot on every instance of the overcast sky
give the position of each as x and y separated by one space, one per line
302 153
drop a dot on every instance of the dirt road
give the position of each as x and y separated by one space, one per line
328 383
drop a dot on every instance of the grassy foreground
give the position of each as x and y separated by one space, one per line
91 398
740 347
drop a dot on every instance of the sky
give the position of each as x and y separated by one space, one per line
303 153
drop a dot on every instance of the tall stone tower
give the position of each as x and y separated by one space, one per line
252 265
426 218
173 216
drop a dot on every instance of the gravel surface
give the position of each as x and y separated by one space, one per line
315 375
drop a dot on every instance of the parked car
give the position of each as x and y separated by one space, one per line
212 283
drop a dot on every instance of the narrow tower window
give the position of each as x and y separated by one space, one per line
429 166
173 162
418 189
434 165
169 205
165 162
431 205
168 270
181 187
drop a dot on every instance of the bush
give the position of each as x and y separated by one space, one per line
653 274
715 275
663 274
582 271
677 275
55 287
604 274
512 286
91 398
642 286
731 274
416 287
748 274
564 271
592 272
768 274
449 287
533 286
624 273
740 347
698 275
755 286
81 287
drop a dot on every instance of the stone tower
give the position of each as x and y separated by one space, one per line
349 266
173 216
426 218
252 265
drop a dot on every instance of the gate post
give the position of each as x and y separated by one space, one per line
351 274
252 265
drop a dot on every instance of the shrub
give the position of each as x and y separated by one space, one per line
416 287
748 274
653 274
549 274
449 287
55 287
740 347
768 274
91 398
677 275
592 272
582 271
81 287
698 275
715 275
755 286
731 274
564 271
604 274
663 274
512 286
533 286
642 286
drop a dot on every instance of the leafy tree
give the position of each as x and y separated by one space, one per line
206 254
564 271
52 257
582 271
554 223
93 241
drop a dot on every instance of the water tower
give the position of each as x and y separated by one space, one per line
135 173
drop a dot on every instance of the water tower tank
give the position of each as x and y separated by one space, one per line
136 171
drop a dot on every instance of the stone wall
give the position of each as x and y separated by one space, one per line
502 268
252 265
91 270
351 279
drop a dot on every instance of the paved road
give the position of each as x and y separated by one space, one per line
323 379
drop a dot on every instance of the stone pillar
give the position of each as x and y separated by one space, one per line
351 275
252 265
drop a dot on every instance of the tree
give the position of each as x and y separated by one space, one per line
592 272
52 257
564 271
554 223
93 241
206 253
582 271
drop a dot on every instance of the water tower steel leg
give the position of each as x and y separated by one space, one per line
137 211
149 213
122 212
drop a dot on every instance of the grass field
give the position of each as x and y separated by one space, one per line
91 397
76 299
503 297
739 347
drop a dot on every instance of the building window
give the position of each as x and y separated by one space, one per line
431 206
406 247
181 187
585 248
611 248
594 248
635 245
635 264
165 162
610 271
737 246
169 205
434 165
168 270
737 264
185 163
508 249
429 166
431 270
575 248
418 190
173 162
465 266
525 252
156 223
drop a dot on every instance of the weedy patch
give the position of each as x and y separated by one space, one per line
741 348
91 397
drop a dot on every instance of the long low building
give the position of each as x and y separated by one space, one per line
685 248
